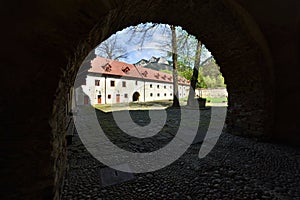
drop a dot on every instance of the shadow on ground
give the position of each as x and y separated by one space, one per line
237 168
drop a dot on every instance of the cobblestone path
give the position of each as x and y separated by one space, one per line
236 168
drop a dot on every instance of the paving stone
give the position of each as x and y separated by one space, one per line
236 168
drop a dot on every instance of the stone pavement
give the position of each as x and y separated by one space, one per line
236 168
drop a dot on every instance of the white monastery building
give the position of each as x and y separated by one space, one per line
110 81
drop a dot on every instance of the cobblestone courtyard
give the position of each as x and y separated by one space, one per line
237 168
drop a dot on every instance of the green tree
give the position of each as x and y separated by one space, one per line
201 82
188 73
195 76
220 81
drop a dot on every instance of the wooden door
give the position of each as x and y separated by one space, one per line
99 99
118 98
86 100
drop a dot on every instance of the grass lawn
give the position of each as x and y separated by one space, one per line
216 100
146 105
132 105
137 105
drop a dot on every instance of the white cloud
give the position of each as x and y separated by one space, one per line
157 45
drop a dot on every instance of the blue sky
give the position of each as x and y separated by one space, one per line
154 45
135 55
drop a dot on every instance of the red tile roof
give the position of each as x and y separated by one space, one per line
112 67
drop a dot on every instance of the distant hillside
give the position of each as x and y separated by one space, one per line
211 74
209 71
159 64
210 68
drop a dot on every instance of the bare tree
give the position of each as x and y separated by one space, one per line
111 49
142 32
186 49
194 80
175 68
147 30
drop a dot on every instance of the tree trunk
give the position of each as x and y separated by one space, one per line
175 73
191 97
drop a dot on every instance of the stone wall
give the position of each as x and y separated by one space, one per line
213 92
45 42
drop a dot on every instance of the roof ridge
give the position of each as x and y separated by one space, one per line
135 71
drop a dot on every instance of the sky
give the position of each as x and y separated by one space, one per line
154 45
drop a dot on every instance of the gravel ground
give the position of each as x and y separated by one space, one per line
237 168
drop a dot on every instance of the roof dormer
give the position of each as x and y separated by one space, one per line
107 67
125 69
145 73
157 75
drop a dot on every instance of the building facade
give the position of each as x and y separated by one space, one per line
109 81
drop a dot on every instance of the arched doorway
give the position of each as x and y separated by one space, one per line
135 96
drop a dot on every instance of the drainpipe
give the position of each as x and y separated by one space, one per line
144 91
105 90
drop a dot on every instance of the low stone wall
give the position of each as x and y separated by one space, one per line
213 92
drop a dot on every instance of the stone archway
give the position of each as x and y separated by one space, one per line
236 43
59 35
135 96
232 37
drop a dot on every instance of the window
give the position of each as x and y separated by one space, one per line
150 85
171 86
109 96
170 94
136 82
165 87
157 86
123 83
97 82
126 95
112 83
151 94
165 94
158 94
